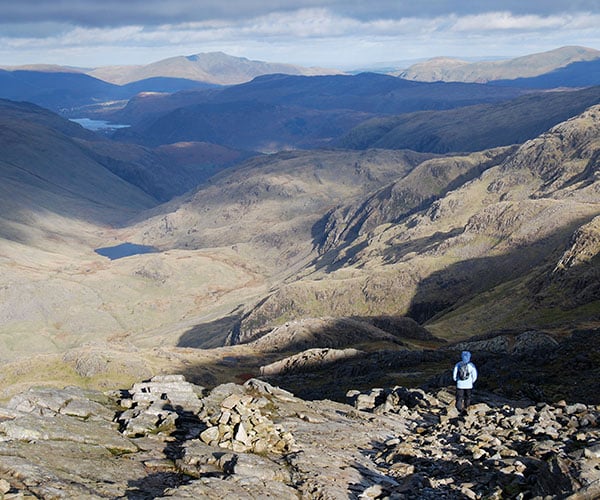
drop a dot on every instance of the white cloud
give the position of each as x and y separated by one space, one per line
309 36
504 21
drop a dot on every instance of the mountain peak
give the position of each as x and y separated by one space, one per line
213 55
209 67
453 70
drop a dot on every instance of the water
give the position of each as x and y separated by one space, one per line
124 250
97 125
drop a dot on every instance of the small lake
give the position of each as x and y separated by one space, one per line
97 125
124 250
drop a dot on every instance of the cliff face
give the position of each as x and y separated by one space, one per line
167 438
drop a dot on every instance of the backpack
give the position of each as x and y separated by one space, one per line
463 371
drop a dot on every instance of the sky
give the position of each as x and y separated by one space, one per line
343 34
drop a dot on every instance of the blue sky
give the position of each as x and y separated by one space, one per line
338 34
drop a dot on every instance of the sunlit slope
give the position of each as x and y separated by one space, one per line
497 242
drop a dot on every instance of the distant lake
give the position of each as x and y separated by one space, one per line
97 124
124 250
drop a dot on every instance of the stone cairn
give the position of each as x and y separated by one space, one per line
234 417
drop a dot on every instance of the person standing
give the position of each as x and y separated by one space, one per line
465 375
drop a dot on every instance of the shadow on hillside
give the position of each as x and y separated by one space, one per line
462 281
442 292
209 335
340 257
538 375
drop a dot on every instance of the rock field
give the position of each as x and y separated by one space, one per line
168 438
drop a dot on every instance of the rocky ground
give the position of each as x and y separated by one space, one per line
168 438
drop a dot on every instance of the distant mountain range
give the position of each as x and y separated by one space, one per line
577 74
534 65
275 112
70 92
65 88
212 67
76 91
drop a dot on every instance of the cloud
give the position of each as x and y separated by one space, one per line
111 13
310 32
504 21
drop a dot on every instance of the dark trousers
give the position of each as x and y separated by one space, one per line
463 398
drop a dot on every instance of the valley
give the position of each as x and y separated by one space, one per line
322 232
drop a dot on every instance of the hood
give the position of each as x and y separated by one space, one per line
466 356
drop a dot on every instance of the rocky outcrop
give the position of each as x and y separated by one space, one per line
429 181
330 332
525 343
495 451
583 247
167 438
307 360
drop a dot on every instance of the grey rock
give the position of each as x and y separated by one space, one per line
262 468
258 441
62 428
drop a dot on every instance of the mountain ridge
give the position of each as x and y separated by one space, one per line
471 128
533 65
208 67
287 111
516 214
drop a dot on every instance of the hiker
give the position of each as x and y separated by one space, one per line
465 375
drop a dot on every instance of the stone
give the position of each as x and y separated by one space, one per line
210 435
375 491
241 435
592 451
271 444
4 486
62 428
259 467
231 401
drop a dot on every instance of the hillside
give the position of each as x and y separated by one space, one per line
73 93
467 257
211 67
281 111
60 199
269 208
471 128
162 174
45 168
250 225
167 171
533 65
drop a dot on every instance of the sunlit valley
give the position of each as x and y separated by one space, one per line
302 254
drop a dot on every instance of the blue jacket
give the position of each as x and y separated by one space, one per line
465 384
